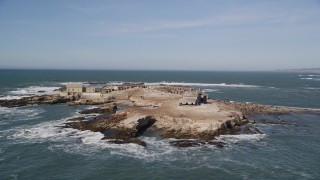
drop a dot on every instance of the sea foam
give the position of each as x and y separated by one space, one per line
241 137
204 84
19 113
32 90
210 90
8 97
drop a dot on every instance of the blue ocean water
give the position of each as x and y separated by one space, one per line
33 147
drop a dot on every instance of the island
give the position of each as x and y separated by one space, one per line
187 115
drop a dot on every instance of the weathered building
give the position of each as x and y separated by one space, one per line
174 89
90 89
74 88
194 100
108 89
124 86
188 100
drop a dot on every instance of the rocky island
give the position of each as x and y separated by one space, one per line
128 110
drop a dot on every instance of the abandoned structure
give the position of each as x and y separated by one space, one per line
90 89
124 86
78 88
194 100
174 89
74 88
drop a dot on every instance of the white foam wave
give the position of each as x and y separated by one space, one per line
209 90
312 88
44 131
241 138
11 97
115 83
156 149
88 142
35 90
91 143
240 85
15 114
65 83
310 75
204 84
307 78
316 79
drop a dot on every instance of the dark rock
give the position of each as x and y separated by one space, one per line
41 91
76 119
219 144
108 125
248 130
121 133
258 131
99 123
44 99
88 102
130 140
187 143
144 124
59 89
196 143
108 108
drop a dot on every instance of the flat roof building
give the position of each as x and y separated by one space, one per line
74 88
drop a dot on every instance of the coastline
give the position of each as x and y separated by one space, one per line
132 111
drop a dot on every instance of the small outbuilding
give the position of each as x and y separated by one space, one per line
190 100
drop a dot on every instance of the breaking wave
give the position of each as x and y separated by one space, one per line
209 90
115 83
34 90
316 79
241 138
8 97
307 78
204 84
312 88
310 75
18 113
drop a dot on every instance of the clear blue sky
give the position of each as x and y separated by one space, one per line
160 34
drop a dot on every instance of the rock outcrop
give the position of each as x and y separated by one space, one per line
44 99
98 124
251 109
228 127
196 143
106 108
89 102
109 126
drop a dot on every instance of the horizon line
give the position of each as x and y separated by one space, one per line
80 69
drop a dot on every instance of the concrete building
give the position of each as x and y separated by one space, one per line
90 89
108 89
74 88
124 86
194 100
188 101
175 89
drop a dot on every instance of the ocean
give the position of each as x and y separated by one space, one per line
32 146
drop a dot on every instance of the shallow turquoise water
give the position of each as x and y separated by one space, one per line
32 147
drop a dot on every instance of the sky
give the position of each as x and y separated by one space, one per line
231 35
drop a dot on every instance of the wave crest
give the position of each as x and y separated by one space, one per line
204 84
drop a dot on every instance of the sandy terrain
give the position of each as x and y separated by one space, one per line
169 115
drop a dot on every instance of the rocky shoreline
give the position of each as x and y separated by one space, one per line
189 125
110 125
33 100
